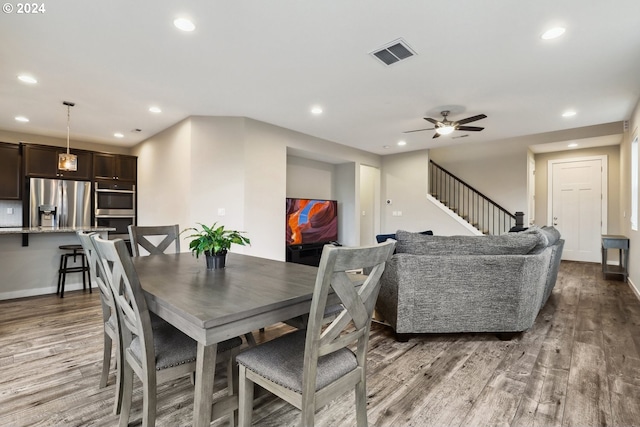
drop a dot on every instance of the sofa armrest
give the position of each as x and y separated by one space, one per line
552 274
387 303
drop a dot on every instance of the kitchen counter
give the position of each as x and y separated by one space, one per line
32 269
38 230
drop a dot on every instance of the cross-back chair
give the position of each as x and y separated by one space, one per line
140 235
308 368
111 329
154 354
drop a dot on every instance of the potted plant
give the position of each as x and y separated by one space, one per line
214 242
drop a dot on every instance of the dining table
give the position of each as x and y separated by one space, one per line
211 306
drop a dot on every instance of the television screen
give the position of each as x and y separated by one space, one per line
311 221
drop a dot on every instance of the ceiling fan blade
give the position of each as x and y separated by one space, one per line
471 119
430 120
469 128
436 135
417 130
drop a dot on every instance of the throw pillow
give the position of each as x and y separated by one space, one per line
381 238
543 240
552 233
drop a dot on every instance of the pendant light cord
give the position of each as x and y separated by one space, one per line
68 121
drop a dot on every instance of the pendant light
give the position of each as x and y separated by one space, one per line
68 161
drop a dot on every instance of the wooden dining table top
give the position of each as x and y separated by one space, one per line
179 288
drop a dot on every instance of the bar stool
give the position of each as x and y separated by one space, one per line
72 251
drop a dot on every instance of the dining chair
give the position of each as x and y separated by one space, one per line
154 354
140 235
111 325
310 367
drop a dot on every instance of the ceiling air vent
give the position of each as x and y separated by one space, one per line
393 52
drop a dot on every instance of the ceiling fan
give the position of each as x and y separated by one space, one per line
445 127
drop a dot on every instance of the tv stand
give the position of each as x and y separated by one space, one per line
307 253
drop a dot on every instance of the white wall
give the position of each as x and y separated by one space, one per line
16 137
405 183
309 179
499 168
164 165
345 185
204 164
625 200
265 189
369 212
613 178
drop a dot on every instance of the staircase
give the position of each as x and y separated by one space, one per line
467 202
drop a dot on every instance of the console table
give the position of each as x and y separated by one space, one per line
616 242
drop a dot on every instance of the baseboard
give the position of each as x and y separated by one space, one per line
38 291
634 288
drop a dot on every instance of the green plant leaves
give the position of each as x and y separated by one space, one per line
214 239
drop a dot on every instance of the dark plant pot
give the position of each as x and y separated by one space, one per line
215 262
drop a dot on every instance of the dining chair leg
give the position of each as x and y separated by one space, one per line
149 398
361 403
251 341
232 387
106 360
308 412
117 405
245 398
127 394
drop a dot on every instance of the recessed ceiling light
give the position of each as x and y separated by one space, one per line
316 110
22 119
184 24
25 78
553 33
118 135
572 145
570 113
155 109
402 143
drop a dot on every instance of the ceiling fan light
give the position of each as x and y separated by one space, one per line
445 130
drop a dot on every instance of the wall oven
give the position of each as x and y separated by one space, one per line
115 199
115 207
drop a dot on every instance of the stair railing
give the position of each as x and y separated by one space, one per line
476 208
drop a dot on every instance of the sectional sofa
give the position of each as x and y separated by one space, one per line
442 284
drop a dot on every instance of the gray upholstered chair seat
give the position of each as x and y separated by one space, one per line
281 360
174 348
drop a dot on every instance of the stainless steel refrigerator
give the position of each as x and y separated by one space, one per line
59 203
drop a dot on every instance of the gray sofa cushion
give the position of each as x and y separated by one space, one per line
506 244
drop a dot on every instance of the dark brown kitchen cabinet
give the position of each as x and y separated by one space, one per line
42 161
10 165
114 167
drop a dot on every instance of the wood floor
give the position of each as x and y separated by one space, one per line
578 366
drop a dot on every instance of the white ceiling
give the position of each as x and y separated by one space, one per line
273 60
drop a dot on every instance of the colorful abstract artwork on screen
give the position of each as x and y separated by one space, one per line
311 221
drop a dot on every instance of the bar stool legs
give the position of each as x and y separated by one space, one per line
75 251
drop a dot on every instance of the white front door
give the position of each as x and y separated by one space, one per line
578 205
